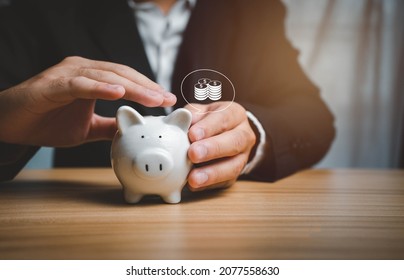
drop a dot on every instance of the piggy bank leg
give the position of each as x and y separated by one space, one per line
131 197
174 197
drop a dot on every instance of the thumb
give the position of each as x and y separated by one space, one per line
101 128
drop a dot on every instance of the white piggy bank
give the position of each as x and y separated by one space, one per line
149 154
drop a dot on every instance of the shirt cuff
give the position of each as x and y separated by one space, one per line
260 150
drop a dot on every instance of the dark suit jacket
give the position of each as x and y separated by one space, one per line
243 39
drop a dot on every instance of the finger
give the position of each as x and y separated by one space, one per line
227 144
215 173
85 88
77 64
133 91
151 98
217 122
119 69
198 111
65 90
127 72
101 128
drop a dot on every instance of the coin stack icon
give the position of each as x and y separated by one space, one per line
201 91
204 81
215 90
206 88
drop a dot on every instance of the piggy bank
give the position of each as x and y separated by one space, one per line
149 154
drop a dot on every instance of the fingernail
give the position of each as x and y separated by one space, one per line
201 152
199 133
201 178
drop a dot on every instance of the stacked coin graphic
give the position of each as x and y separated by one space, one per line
204 81
215 90
206 88
201 91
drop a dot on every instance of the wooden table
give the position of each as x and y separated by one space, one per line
316 214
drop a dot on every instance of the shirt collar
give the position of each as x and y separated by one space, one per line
147 5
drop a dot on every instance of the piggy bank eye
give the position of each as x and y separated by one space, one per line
142 136
160 136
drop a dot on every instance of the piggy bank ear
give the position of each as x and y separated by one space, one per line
126 117
181 118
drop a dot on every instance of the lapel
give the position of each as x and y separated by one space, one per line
113 29
206 42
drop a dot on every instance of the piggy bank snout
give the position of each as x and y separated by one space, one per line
153 164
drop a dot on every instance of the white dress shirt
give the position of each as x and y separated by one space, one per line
162 35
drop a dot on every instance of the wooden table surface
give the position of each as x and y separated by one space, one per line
315 214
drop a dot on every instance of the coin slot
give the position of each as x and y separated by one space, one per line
147 168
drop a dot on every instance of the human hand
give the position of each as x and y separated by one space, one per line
56 107
221 142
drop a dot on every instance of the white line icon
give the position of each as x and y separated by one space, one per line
215 90
206 88
201 91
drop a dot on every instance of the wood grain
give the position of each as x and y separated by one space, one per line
316 214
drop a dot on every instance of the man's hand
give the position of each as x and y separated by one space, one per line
56 107
221 144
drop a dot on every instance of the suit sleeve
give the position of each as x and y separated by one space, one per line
13 158
17 58
298 125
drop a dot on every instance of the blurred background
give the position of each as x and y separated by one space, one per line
354 51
